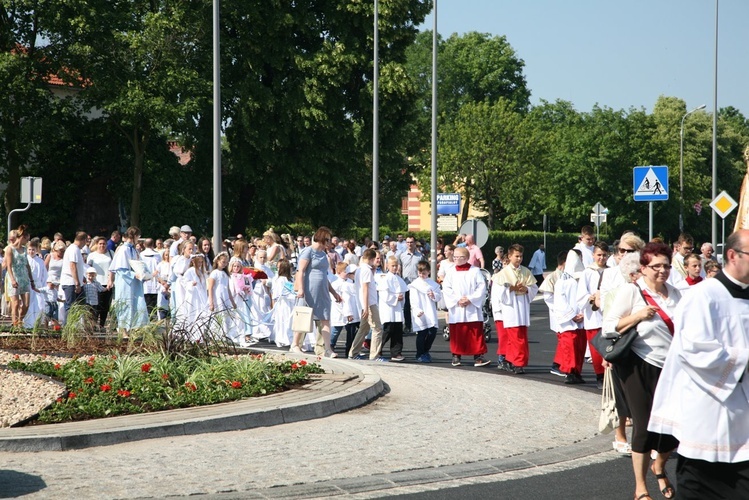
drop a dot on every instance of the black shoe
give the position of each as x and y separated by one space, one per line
573 379
505 366
518 370
456 360
599 382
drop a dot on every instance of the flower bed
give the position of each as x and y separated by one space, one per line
109 385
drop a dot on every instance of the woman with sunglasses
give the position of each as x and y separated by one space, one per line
646 305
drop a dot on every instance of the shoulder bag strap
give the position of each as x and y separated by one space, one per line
649 300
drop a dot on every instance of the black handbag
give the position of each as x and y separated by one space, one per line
614 350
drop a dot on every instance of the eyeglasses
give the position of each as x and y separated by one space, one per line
688 249
741 252
626 250
660 267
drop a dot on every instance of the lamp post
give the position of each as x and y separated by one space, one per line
714 238
375 129
681 167
433 241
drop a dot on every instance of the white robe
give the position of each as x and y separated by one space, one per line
702 397
348 306
565 305
37 300
128 303
547 288
389 286
194 309
284 299
587 286
421 303
469 284
516 309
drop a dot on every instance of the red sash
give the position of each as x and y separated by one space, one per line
661 312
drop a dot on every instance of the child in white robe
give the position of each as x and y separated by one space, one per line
346 314
424 294
240 286
261 299
220 301
37 297
391 290
283 296
196 297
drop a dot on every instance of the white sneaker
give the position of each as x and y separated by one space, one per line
330 354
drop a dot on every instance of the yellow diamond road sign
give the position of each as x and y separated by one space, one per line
723 204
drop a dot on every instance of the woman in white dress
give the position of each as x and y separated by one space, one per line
195 305
220 301
240 287
283 297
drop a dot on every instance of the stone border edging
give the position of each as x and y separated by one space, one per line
350 386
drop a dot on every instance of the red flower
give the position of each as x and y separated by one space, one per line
294 366
57 366
303 362
16 357
59 400
114 356
92 359
191 386
236 384
123 392
145 367
71 395
57 328
106 388
44 356
89 380
165 376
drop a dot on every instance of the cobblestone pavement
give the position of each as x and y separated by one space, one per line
429 418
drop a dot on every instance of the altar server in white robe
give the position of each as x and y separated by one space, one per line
464 290
129 304
425 294
702 398
518 289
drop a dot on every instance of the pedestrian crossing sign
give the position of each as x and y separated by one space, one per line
650 183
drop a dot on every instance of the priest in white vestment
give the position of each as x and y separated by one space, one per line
702 397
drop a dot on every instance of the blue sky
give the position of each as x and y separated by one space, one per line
617 53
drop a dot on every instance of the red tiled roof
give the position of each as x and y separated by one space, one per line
183 155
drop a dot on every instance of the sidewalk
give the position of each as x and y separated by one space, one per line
432 424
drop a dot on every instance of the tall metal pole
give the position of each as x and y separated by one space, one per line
217 238
433 243
375 131
715 134
681 168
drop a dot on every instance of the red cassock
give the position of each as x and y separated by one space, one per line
467 339
571 350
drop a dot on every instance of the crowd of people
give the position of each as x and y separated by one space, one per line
248 290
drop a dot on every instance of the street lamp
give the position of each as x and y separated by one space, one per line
714 238
681 167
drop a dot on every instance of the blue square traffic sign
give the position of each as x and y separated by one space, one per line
650 183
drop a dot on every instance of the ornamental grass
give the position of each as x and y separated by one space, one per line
109 385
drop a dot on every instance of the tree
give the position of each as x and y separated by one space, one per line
472 68
26 103
299 105
482 153
136 62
